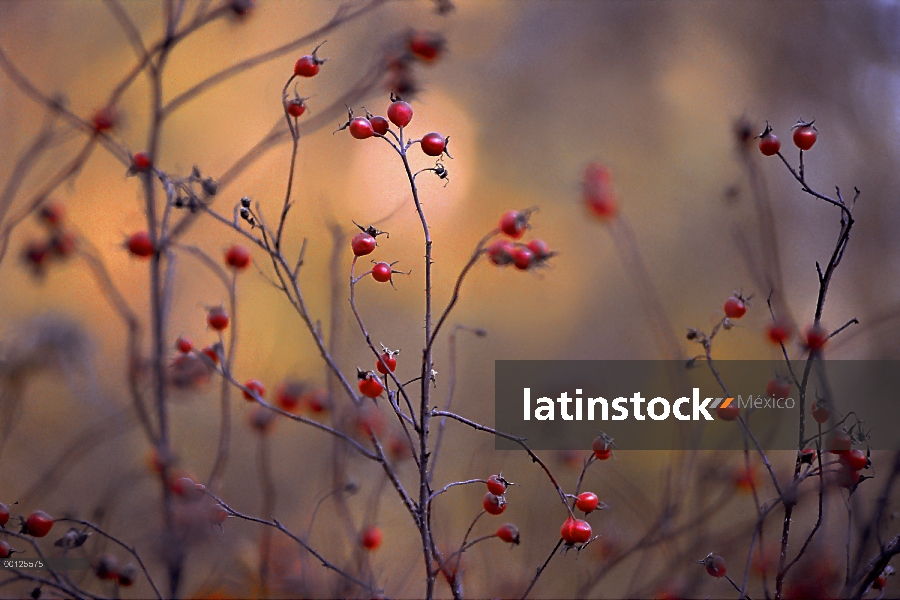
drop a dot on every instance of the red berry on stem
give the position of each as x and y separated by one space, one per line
371 538
879 582
805 135
140 244
307 66
389 359
63 244
212 353
493 503
433 144
38 524
500 252
715 565
580 531
522 257
820 413
35 253
587 502
362 244
514 223
217 318
4 514
379 125
839 442
807 456
361 128
382 272
104 119
602 447
509 533
4 549
254 385
400 113
846 477
769 144
238 257
855 459
370 385
735 308
540 249
728 413
497 485
778 333
141 162
184 344
289 395
815 338
295 107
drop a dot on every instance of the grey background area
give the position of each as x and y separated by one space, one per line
863 396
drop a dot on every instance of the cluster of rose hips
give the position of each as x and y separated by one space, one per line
777 332
494 501
804 136
363 244
535 253
58 244
598 192
400 113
